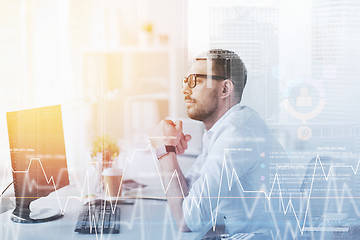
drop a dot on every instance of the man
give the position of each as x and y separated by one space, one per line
228 180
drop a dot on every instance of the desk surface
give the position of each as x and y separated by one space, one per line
146 219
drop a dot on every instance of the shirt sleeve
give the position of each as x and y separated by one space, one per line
229 151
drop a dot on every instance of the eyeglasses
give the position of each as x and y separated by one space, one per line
191 80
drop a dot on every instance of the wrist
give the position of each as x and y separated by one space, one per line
164 150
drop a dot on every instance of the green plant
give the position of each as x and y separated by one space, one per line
107 147
147 27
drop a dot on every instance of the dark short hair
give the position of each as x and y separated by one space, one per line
228 64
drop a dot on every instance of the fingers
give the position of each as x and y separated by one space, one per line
183 142
187 137
182 146
179 149
172 134
178 124
167 122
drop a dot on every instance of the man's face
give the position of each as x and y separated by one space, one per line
202 100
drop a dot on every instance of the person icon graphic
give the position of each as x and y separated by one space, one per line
304 100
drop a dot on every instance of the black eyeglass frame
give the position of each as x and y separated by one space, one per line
186 80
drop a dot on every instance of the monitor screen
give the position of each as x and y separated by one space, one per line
37 150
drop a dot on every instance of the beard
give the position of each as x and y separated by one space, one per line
203 110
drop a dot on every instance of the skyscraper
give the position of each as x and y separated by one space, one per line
336 58
252 32
336 65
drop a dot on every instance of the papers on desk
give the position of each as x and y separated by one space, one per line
147 193
130 184
154 193
129 187
136 189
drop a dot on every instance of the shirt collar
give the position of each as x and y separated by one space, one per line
218 124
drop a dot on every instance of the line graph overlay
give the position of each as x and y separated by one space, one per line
231 176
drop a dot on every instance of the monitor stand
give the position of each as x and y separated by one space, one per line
23 214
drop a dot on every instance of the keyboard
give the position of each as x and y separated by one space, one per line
237 236
97 217
243 236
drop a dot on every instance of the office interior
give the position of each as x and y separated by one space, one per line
116 67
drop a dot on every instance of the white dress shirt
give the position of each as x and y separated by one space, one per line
237 147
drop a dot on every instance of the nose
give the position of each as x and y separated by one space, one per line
186 90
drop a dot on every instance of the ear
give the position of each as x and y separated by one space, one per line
227 88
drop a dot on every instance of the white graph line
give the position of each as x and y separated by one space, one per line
268 196
230 180
48 179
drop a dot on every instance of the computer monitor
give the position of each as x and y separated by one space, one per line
38 160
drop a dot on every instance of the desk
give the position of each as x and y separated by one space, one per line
146 219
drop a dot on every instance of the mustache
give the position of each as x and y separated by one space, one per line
189 98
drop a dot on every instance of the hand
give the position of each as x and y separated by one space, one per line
170 133
182 146
166 133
